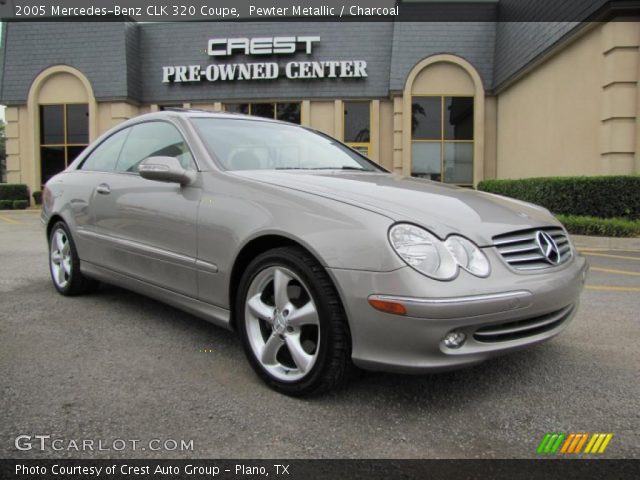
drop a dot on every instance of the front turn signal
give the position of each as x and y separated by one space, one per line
388 307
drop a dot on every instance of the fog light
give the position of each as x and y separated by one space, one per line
454 339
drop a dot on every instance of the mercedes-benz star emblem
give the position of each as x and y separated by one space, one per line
548 247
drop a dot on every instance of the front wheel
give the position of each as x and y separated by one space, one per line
293 327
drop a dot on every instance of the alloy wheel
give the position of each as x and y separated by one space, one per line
282 323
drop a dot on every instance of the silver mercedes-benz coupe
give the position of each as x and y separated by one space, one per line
320 259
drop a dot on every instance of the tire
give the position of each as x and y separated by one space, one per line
64 264
293 350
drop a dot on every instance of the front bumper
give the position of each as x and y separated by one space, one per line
505 312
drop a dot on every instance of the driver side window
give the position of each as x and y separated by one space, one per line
152 139
105 156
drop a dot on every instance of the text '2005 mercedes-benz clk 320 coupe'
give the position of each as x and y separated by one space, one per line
319 258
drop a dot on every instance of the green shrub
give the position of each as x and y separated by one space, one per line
601 227
603 197
6 204
14 191
37 197
20 204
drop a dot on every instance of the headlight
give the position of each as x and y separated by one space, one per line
423 251
468 256
437 259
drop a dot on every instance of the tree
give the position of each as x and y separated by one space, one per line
3 153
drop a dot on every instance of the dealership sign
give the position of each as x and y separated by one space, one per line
294 70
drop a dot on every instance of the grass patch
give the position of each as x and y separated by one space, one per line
600 227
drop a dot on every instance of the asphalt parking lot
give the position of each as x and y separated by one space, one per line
116 365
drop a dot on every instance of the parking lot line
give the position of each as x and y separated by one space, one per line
9 220
621 257
613 270
612 288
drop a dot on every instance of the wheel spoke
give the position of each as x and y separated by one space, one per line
260 309
280 283
60 276
66 265
60 241
305 315
270 350
66 248
55 257
301 358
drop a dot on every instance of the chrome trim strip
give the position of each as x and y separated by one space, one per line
451 300
530 258
460 307
520 239
519 250
140 248
206 266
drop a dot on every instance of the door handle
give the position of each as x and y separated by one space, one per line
103 188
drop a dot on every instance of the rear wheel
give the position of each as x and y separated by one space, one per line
293 326
64 263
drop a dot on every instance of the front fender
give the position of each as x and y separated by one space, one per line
234 212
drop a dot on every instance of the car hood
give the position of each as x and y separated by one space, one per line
443 209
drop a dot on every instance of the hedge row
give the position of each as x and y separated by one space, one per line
14 191
603 197
601 227
13 204
37 197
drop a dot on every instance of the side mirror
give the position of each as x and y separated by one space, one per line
165 169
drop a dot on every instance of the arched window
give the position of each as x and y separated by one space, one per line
443 118
62 115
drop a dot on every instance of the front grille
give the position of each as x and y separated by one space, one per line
521 249
523 328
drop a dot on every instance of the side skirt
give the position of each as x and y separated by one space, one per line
211 313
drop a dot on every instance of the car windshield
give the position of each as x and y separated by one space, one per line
256 145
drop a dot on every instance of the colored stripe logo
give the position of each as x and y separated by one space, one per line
573 443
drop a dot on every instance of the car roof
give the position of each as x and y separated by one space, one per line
201 113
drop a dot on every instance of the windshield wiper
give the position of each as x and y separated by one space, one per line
293 168
343 167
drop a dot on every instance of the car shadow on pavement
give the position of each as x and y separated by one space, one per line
439 391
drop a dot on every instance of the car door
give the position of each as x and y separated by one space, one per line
81 185
147 228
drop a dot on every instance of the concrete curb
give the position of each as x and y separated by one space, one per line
25 210
606 243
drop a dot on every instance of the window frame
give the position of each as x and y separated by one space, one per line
275 108
442 141
65 146
356 145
